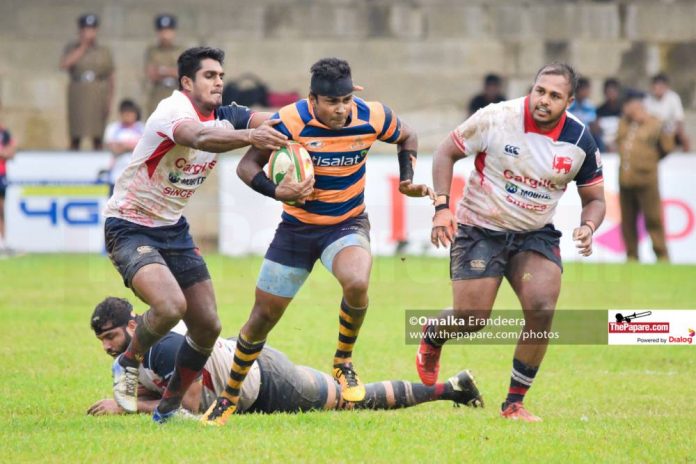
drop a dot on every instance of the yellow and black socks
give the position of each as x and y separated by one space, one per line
244 356
350 320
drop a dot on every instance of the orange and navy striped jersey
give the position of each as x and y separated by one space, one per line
338 155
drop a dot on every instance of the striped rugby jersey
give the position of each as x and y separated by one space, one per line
339 157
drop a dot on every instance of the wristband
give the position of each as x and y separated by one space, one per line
444 205
262 184
589 224
405 166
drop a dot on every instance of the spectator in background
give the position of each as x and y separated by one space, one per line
160 62
7 152
492 85
91 87
641 142
609 113
585 111
121 137
665 104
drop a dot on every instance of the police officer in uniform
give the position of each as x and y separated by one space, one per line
90 92
642 141
160 62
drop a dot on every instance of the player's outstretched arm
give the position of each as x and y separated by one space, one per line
593 210
218 139
108 406
407 146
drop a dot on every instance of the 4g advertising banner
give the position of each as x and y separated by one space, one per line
54 202
248 220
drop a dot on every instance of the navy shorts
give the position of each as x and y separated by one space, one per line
131 246
3 185
300 245
478 252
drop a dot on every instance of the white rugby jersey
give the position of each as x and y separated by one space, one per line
162 176
520 171
159 362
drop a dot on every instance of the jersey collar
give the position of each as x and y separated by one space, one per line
531 126
201 116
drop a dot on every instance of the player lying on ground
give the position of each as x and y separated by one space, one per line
527 151
274 383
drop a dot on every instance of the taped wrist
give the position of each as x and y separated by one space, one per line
405 165
262 184
440 206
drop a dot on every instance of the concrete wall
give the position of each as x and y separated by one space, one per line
426 58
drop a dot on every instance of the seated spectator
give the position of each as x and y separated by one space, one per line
122 136
609 113
585 111
665 104
492 85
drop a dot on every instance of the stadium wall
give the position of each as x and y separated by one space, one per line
426 58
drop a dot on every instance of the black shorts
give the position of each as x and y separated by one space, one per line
286 387
131 246
478 252
3 185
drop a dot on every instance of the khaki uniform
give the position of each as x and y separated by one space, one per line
88 92
161 56
641 146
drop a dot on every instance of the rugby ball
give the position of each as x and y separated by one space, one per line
281 159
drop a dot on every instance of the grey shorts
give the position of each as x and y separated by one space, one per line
286 387
478 252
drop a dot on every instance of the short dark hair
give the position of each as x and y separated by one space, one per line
117 311
189 62
583 83
330 69
660 77
492 79
129 105
560 69
611 82
633 94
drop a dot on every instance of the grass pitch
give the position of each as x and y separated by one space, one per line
599 403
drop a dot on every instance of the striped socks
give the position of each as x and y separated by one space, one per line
350 320
520 381
245 354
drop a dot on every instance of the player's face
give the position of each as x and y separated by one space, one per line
88 34
206 89
549 98
332 111
115 341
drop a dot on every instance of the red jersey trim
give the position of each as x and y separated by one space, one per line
456 141
593 181
201 116
531 126
162 149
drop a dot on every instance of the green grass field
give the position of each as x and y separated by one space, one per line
599 403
